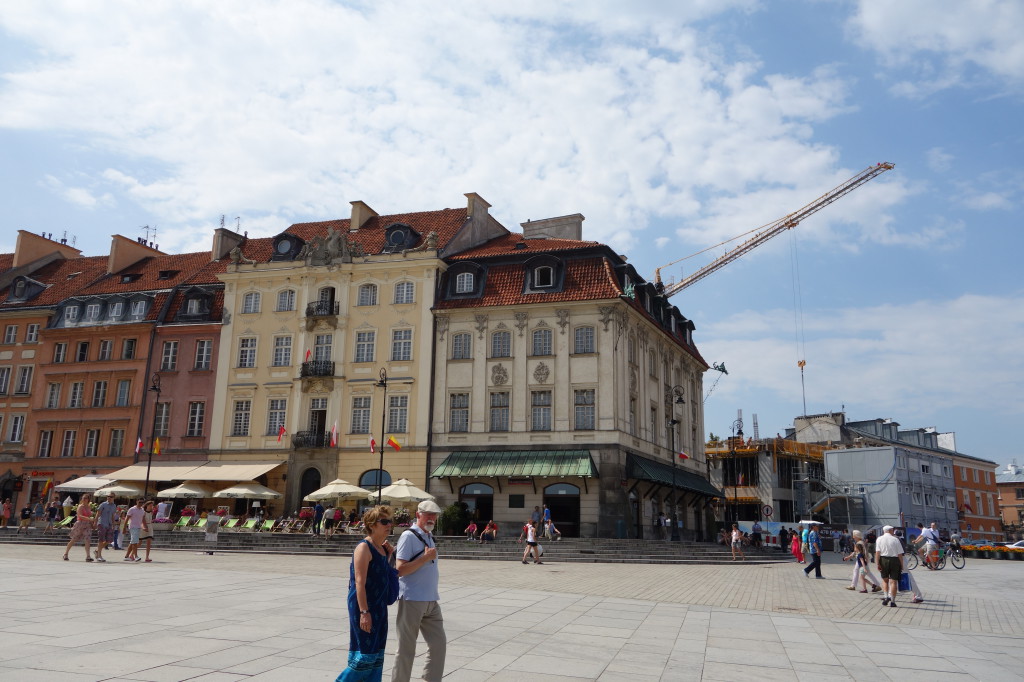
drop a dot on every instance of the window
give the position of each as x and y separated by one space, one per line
282 351
114 310
950 503
24 383
367 295
52 396
926 468
401 345
541 342
988 478
128 349
82 352
544 276
116 448
285 300
323 347
32 333
71 314
652 364
77 394
240 418
162 419
654 425
99 394
459 412
138 308
45 443
106 350
462 346
196 416
584 340
247 352
901 462
11 333
17 428
361 414
499 411
631 349
540 412
1020 493
947 471
928 500
124 390
204 352
975 473
517 501
92 441
251 303
169 356
275 415
67 447
92 311
364 346
194 306
915 498
60 352
584 402
501 345
5 380
405 292
464 283
398 413
632 416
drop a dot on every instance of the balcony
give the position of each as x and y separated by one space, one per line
311 439
317 368
322 315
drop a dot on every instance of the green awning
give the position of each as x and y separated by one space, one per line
493 463
644 469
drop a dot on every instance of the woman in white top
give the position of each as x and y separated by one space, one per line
531 542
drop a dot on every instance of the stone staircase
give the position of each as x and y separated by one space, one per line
575 550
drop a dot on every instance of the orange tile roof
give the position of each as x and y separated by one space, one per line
586 279
446 222
6 261
149 269
62 278
506 245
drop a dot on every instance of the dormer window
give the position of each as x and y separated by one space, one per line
464 282
71 313
19 289
115 309
138 308
167 274
194 306
399 237
129 278
92 311
544 276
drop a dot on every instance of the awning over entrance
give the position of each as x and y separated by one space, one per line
644 469
494 463
195 471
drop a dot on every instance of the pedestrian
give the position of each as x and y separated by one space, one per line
805 532
368 598
736 542
38 510
135 516
470 530
547 513
530 530
662 524
146 533
418 608
862 567
5 515
106 519
318 518
796 545
889 555
552 533
26 519
84 523
52 512
783 539
814 547
535 516
211 531
119 530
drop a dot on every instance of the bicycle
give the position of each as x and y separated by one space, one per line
956 556
910 560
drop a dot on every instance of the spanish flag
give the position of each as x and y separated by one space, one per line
46 488
394 443
156 446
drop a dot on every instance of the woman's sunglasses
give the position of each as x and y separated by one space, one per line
384 522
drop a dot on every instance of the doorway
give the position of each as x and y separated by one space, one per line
563 499
479 500
318 423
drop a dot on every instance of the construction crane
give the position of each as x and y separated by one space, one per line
770 230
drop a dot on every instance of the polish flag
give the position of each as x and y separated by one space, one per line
334 434
138 447
280 433
683 455
373 445
309 354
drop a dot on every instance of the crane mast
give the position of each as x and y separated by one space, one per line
773 229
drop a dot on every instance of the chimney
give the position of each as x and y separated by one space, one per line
124 253
223 241
562 227
30 247
361 212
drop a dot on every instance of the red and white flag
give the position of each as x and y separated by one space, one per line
309 354
683 455
373 445
138 447
334 434
280 433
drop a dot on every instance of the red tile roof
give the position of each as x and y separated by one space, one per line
446 222
183 266
63 278
507 245
6 261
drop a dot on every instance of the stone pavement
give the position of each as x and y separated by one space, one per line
192 616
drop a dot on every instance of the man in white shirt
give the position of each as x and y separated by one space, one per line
930 552
889 558
419 612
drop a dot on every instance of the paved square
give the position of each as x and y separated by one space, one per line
256 617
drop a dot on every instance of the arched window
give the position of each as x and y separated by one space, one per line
405 292
310 481
369 479
464 283
286 300
251 302
462 346
367 295
477 489
544 276
541 342
562 489
19 289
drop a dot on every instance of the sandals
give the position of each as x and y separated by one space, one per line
66 558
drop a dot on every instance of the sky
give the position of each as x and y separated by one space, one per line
671 126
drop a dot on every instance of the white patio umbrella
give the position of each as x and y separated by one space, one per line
401 490
810 523
83 484
187 490
337 490
248 491
121 489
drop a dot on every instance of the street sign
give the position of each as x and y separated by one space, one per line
767 510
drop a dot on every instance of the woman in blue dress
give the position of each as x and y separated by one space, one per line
368 600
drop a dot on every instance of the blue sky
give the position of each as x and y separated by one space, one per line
670 126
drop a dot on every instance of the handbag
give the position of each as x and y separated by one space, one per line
393 585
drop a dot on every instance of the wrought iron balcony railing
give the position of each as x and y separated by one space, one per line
311 439
321 309
317 368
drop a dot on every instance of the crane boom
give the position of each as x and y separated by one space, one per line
775 228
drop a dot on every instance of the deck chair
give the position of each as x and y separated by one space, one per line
299 526
64 523
284 526
354 527
267 525
230 523
199 525
250 524
182 523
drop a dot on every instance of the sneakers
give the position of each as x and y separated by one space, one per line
524 561
885 601
101 560
876 588
127 558
917 600
149 561
137 559
89 558
893 603
851 588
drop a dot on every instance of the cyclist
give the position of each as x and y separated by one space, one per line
954 540
930 549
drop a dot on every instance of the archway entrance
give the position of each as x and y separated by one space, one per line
310 482
563 499
369 481
479 499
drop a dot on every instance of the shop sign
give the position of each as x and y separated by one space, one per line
520 480
39 474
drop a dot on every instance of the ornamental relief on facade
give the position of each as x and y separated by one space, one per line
606 315
499 375
521 320
541 373
632 381
481 324
442 326
563 319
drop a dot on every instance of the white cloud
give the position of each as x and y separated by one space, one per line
77 196
987 201
938 160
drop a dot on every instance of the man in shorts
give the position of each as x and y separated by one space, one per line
106 517
136 515
889 558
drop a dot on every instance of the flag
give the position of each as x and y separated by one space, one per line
334 434
967 506
373 445
741 480
156 446
683 455
394 443
138 447
308 354
46 488
280 433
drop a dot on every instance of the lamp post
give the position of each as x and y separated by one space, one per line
155 387
737 432
382 383
675 398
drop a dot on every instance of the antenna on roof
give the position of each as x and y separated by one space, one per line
238 223
74 240
64 239
222 221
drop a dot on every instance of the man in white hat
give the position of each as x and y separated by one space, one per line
418 608
889 556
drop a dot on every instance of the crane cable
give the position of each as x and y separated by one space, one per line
798 314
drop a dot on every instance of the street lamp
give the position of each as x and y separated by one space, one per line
155 387
382 383
675 396
737 432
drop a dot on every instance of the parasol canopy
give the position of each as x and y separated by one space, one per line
810 523
401 490
248 491
337 489
187 490
121 489
83 484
